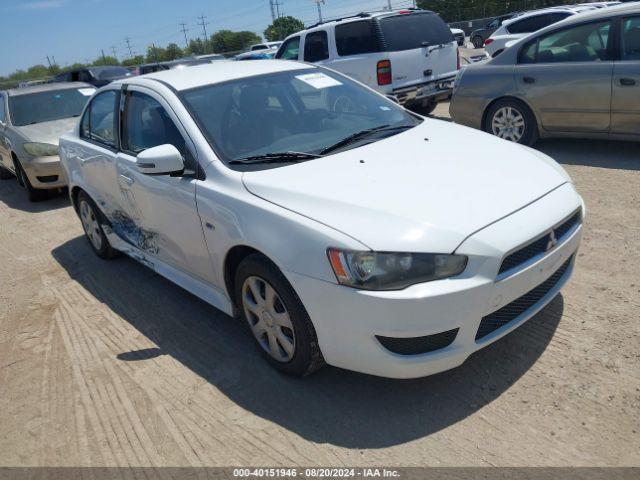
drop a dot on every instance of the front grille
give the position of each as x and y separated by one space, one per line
513 310
418 345
539 246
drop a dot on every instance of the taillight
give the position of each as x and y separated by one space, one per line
384 72
488 41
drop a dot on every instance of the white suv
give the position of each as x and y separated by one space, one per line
410 55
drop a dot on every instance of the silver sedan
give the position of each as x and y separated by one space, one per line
32 119
577 78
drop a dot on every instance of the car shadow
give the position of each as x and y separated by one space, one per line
593 153
332 406
15 197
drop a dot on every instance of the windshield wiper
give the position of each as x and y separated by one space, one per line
275 157
363 134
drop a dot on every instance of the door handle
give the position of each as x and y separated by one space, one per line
627 82
528 80
128 180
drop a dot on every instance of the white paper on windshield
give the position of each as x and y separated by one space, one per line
318 80
87 92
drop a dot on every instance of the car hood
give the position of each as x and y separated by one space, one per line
423 190
48 132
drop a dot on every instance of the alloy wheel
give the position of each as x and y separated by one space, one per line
91 225
268 318
508 123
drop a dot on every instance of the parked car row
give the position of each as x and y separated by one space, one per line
261 186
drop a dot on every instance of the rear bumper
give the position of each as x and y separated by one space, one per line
435 89
350 322
44 172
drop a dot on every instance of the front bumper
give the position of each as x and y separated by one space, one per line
45 172
347 321
437 90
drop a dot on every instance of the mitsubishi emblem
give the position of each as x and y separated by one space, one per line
553 241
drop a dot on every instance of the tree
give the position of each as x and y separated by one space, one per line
228 41
196 47
172 52
132 62
106 60
282 27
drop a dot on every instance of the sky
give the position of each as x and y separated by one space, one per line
78 30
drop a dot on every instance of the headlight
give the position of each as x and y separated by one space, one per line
41 149
392 271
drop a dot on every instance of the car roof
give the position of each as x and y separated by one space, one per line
597 13
212 73
46 87
534 13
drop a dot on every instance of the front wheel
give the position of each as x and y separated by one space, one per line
278 321
90 217
512 120
33 194
425 108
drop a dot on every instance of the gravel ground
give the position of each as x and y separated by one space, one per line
107 363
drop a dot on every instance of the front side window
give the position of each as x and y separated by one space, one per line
631 39
290 49
48 106
304 111
98 123
412 31
316 46
584 43
356 38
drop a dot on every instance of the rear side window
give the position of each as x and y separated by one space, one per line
356 38
290 49
316 46
631 39
411 31
98 123
533 24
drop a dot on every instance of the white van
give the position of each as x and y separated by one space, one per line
410 55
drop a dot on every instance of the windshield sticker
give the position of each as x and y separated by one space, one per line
318 80
87 92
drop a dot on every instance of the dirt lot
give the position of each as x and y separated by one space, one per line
106 363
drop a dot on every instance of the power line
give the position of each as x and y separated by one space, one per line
128 40
203 23
184 31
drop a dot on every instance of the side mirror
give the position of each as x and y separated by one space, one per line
160 160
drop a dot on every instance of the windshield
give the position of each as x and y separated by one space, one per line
111 72
304 111
411 31
48 106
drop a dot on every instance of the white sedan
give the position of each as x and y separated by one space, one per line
339 226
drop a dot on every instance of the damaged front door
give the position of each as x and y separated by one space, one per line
161 216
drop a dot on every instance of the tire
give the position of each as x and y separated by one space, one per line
5 174
34 194
91 219
276 324
512 120
423 108
478 42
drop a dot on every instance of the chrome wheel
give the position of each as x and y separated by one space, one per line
268 318
508 123
91 225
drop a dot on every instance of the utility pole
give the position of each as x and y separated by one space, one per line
48 61
103 56
203 23
113 49
389 3
184 31
128 40
318 2
273 10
